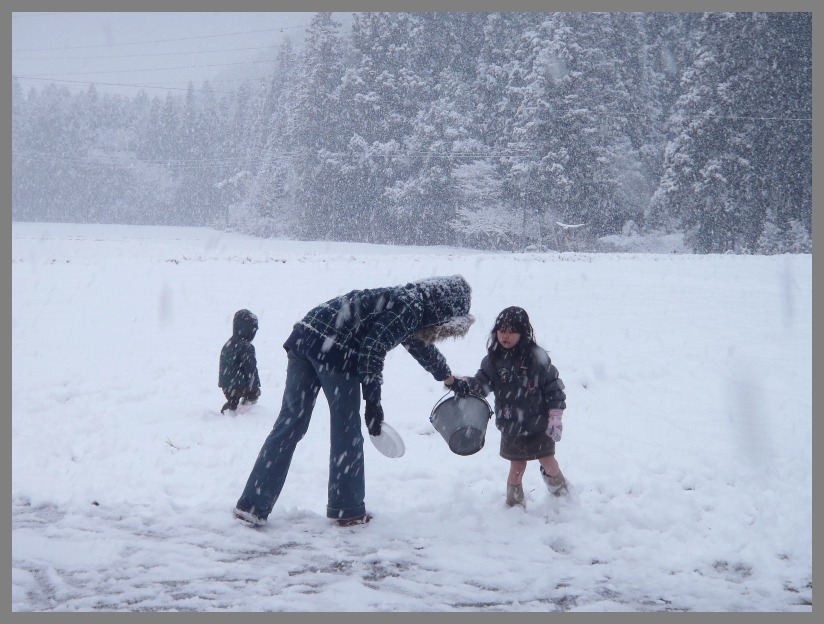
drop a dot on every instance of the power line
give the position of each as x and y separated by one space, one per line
249 161
112 45
19 14
154 69
115 84
119 56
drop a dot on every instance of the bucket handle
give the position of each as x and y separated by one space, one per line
473 394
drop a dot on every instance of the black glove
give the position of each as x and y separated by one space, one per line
373 415
460 387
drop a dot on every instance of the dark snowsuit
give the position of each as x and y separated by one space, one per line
340 346
238 374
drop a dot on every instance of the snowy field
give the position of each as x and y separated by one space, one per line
687 436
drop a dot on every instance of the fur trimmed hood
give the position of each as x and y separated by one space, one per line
446 302
442 298
454 328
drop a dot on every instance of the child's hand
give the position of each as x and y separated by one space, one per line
555 426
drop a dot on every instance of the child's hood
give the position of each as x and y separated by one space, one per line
245 324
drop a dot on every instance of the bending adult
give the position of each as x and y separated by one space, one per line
340 347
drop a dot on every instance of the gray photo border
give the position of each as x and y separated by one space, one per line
309 7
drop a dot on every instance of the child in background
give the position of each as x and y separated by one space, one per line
529 401
238 376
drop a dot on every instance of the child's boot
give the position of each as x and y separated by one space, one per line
557 484
515 495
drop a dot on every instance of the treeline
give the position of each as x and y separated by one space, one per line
475 129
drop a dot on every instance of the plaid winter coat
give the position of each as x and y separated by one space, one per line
355 331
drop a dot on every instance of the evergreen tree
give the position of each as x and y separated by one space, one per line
316 129
423 196
424 193
537 164
52 146
499 218
669 50
271 193
23 163
485 128
783 139
711 180
105 169
384 92
152 185
193 192
588 112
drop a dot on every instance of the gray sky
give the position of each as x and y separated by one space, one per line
155 51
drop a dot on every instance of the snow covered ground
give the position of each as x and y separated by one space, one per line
687 435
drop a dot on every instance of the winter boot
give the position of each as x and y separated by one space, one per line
350 522
515 495
248 518
556 485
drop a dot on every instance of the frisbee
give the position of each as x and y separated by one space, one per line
389 442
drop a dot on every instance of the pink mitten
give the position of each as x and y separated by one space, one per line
555 426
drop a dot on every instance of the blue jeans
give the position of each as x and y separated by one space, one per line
347 488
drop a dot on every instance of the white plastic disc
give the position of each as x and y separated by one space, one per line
389 442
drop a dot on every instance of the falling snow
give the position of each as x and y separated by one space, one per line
687 437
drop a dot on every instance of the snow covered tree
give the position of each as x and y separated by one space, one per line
268 204
483 218
783 139
51 146
718 175
588 112
199 165
793 238
23 163
666 52
152 184
317 130
383 93
389 135
799 238
424 193
499 91
534 156
423 196
771 240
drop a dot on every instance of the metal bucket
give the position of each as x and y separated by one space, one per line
462 422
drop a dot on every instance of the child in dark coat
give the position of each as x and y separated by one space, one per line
238 376
529 401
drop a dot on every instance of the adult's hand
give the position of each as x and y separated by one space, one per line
460 387
373 415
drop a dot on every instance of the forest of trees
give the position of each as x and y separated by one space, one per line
474 129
